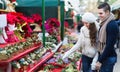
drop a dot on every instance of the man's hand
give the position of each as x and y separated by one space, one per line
98 65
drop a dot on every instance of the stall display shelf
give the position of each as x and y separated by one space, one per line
79 65
20 55
57 47
12 43
58 67
6 44
3 11
41 62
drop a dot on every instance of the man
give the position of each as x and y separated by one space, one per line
107 37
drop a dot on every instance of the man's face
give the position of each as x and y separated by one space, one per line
102 14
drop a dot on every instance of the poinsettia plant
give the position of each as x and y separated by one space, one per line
52 26
37 19
22 23
11 17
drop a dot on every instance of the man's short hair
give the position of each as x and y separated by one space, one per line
104 6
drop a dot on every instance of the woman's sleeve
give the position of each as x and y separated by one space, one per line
75 47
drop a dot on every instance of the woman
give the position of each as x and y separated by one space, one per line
86 41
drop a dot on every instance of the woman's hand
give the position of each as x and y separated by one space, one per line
98 65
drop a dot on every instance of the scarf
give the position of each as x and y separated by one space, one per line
102 32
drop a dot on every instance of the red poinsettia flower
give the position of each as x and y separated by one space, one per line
66 24
11 18
52 25
12 0
53 21
29 20
37 19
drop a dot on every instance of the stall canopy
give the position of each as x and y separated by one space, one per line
29 7
37 2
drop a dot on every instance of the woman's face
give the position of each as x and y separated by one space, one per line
86 24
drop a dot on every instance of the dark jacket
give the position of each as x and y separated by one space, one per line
112 34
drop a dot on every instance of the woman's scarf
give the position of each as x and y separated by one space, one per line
102 32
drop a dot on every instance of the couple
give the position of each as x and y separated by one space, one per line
94 39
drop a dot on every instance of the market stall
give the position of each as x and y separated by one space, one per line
22 48
33 34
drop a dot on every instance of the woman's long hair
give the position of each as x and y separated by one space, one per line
93 33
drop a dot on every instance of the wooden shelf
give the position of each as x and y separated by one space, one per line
20 55
43 60
12 43
3 11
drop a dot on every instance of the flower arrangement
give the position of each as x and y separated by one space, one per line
11 20
11 17
52 26
23 22
37 19
56 64
12 50
66 24
18 26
